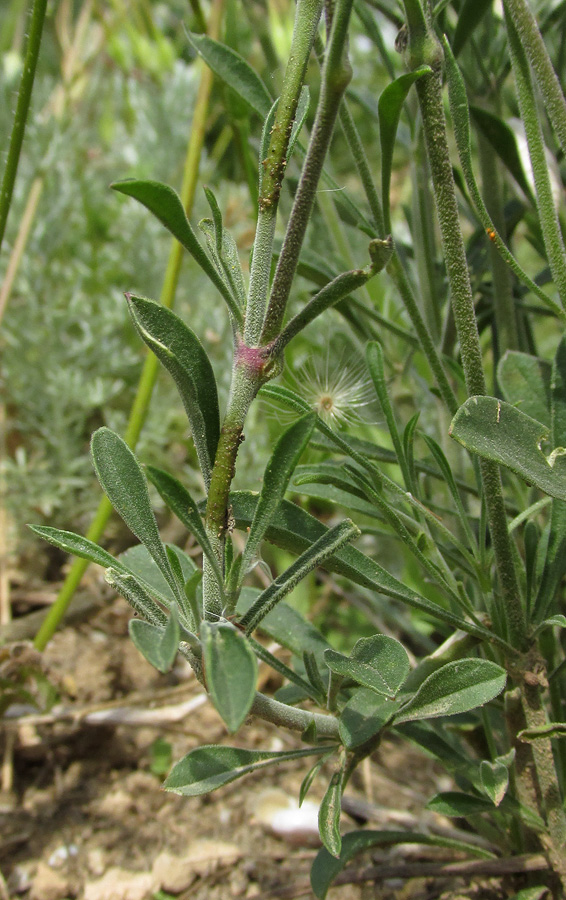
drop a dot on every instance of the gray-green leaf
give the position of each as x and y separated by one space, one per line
208 768
165 204
494 779
158 645
123 482
525 383
234 71
329 815
230 669
390 105
455 688
379 663
182 354
500 432
279 469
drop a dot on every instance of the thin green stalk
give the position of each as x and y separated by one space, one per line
548 216
533 44
503 303
22 110
424 237
307 17
150 369
425 49
336 75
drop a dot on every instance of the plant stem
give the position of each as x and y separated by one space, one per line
533 44
425 49
22 110
548 216
304 32
336 75
150 369
295 719
546 774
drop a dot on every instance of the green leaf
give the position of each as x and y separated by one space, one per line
326 867
379 663
329 815
455 688
180 502
123 482
504 142
230 669
227 252
182 354
138 561
75 544
165 204
456 804
299 120
158 645
531 893
137 596
311 775
363 716
525 383
500 432
234 71
468 18
285 456
294 529
390 105
315 556
495 780
543 732
208 768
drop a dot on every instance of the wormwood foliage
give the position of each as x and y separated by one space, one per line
474 539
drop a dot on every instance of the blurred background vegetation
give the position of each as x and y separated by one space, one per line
113 98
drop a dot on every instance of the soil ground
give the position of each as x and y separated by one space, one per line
85 816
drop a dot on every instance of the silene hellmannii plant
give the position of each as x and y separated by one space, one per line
484 527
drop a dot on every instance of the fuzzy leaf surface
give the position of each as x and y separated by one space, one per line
123 482
389 106
525 382
184 357
456 804
379 663
329 816
283 460
294 529
234 71
500 432
230 670
208 768
158 645
455 688
180 502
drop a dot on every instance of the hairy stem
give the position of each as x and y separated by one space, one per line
429 91
546 77
304 32
336 75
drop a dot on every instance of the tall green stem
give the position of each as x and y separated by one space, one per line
548 216
304 32
425 49
546 77
150 369
22 109
336 75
